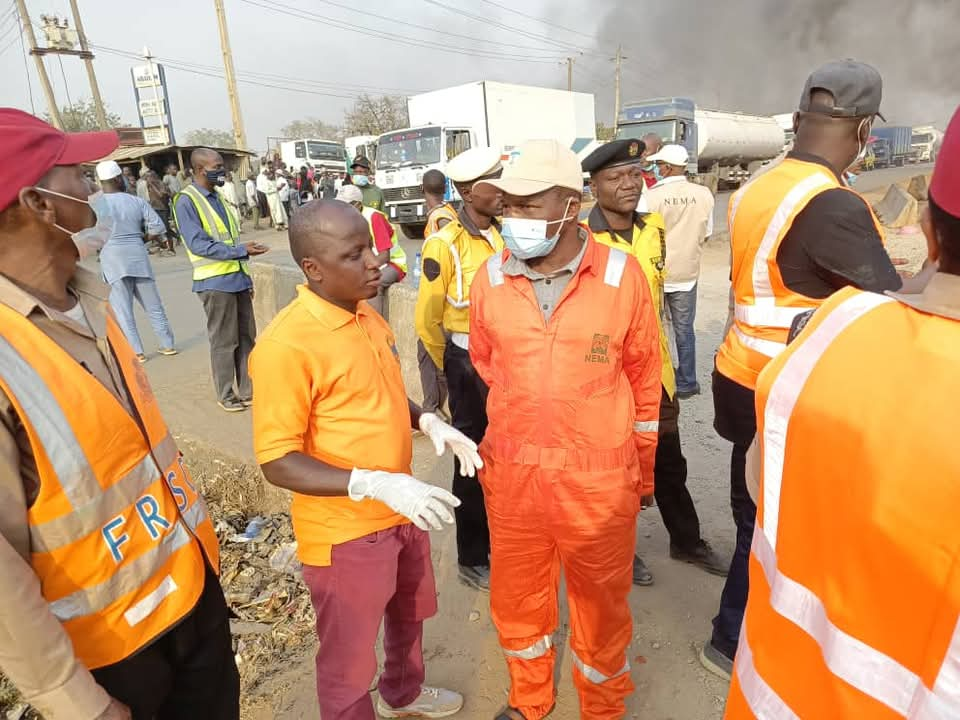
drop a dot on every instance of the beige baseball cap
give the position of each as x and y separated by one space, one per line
539 166
473 163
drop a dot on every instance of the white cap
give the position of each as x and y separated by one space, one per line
108 170
350 194
539 166
473 163
671 155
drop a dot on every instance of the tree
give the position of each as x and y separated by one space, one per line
312 128
375 116
604 133
81 116
209 137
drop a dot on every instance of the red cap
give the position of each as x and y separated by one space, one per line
945 185
30 147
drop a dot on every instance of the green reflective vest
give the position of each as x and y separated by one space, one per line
206 268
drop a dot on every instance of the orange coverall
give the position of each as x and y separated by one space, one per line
573 410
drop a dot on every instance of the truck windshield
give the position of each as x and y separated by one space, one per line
410 147
324 150
666 129
921 138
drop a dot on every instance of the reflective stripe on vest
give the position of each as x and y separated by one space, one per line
397 254
616 262
495 269
206 268
461 300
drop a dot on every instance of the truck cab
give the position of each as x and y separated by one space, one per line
673 119
403 156
323 155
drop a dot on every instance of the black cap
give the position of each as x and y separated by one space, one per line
616 152
360 161
856 88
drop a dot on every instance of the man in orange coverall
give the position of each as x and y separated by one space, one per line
574 401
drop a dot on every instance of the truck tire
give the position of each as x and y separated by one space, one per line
414 232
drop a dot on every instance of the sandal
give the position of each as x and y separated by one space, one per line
509 713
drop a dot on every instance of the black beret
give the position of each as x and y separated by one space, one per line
360 161
613 153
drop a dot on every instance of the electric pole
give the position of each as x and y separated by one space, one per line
570 74
616 88
239 135
41 68
88 61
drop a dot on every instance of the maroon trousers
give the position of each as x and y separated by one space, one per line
386 576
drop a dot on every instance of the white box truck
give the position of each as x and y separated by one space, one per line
444 123
323 155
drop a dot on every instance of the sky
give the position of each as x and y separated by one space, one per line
310 58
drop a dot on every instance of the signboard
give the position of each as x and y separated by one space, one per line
156 136
153 106
146 76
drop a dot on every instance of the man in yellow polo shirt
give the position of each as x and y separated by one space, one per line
328 418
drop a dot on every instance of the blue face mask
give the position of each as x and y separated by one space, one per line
361 180
850 178
527 239
656 172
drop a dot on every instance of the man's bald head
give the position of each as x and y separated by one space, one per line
316 224
652 143
201 157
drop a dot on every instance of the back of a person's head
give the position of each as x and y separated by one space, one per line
944 196
434 182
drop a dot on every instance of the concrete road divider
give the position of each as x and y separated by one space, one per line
898 208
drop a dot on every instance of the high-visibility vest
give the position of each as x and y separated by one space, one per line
440 212
854 605
397 255
213 225
649 248
113 528
760 215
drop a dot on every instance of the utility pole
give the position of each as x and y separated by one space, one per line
239 135
41 68
88 61
570 74
616 87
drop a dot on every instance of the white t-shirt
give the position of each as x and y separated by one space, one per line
77 315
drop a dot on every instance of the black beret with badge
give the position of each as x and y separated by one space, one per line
616 152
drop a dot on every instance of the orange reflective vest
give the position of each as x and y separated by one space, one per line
440 212
113 528
854 605
582 389
760 215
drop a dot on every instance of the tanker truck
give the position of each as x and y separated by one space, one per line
725 147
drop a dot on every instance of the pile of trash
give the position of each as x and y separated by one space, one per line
261 580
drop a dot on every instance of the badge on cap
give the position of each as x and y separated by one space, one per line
634 149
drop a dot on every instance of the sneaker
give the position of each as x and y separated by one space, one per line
247 401
233 405
685 394
476 577
432 703
641 575
141 357
704 557
167 351
715 661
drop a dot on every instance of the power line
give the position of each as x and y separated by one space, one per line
540 20
66 85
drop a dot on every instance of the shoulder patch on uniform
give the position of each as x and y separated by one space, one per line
431 269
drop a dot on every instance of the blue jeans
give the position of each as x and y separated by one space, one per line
144 290
683 311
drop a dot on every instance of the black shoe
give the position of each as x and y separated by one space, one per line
641 576
232 405
704 557
476 577
685 394
715 661
247 401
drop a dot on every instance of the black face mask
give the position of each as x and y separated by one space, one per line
216 177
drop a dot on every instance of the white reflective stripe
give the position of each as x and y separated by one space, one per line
540 648
762 699
126 579
770 348
649 426
616 263
461 340
459 305
196 513
143 609
458 269
495 269
735 205
761 268
766 314
946 688
594 675
88 518
73 471
785 390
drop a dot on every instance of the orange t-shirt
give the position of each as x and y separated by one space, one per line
327 383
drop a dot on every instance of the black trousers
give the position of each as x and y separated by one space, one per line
189 673
735 419
468 406
232 330
670 480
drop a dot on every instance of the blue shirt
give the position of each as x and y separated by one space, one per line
200 243
125 255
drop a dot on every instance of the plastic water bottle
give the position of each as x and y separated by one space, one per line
417 271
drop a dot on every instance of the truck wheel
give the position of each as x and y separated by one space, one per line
414 232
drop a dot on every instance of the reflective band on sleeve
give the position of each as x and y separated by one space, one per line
126 579
769 348
143 609
767 315
540 648
761 267
650 426
166 451
458 270
946 688
616 262
594 675
763 701
60 444
495 269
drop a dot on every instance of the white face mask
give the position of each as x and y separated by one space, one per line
527 239
91 240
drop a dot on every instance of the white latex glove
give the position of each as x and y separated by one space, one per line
426 506
442 435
